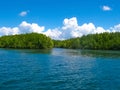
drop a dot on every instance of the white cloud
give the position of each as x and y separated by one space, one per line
106 8
53 33
25 27
23 13
70 29
8 31
116 28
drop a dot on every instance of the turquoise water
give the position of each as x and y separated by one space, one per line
59 69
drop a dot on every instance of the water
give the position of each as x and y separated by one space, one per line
59 69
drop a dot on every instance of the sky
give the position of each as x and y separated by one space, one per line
59 19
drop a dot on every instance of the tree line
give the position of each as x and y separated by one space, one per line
26 41
102 41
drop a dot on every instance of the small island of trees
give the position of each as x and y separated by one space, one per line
102 41
26 41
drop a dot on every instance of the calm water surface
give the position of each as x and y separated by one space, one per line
59 69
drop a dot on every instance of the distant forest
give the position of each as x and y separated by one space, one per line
102 41
26 41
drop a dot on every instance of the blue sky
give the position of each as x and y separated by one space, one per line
51 13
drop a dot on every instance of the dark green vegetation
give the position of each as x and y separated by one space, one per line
103 41
70 43
26 41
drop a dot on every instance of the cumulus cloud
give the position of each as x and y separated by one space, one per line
9 31
116 28
70 29
24 27
106 8
23 13
54 33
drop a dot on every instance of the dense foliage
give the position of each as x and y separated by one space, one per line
103 41
70 43
32 41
